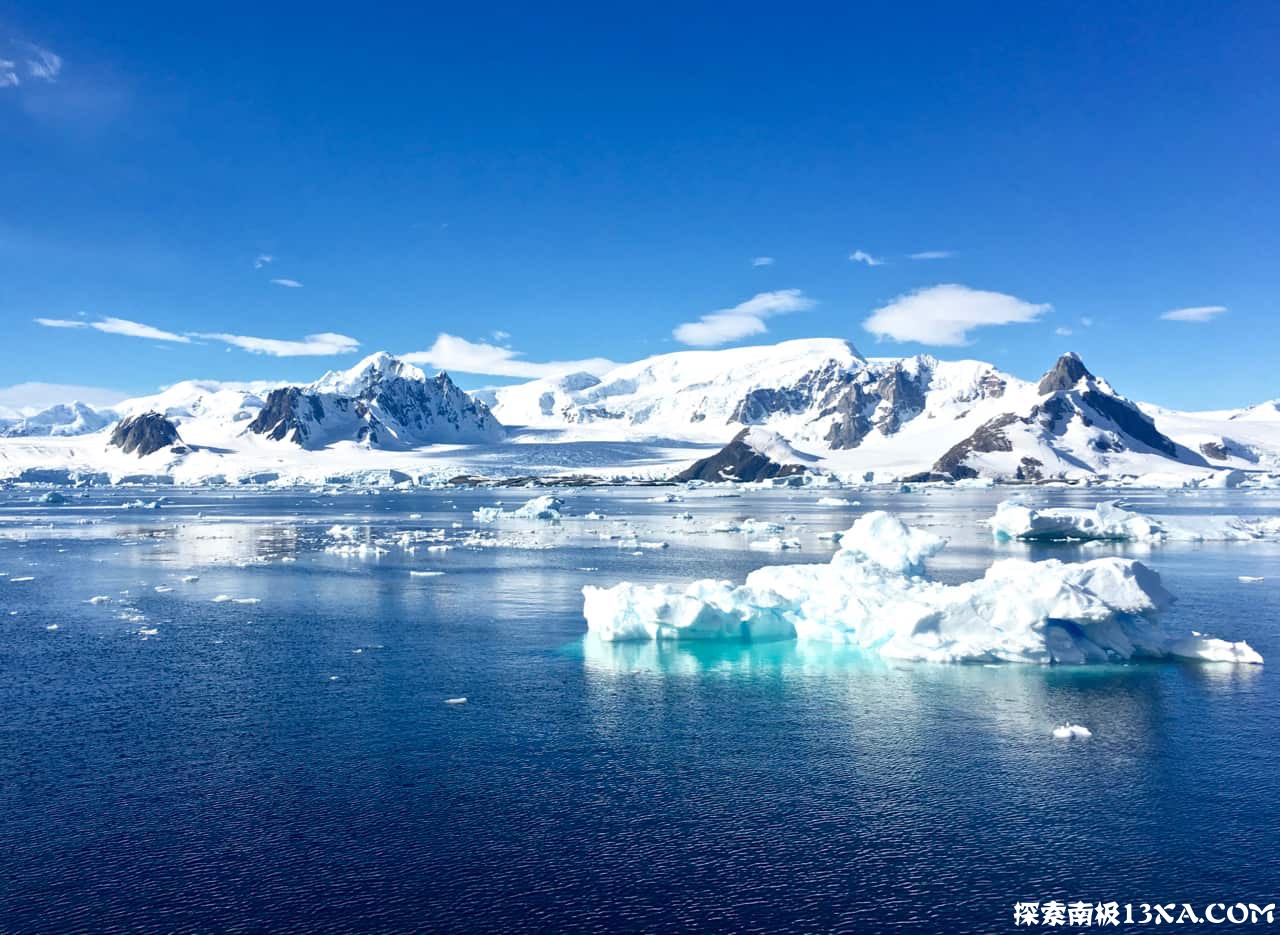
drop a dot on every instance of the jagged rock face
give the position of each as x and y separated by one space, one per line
990 436
145 434
382 403
760 405
1066 373
738 461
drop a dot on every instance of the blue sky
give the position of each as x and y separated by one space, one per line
555 183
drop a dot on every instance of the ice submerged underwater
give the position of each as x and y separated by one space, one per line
874 595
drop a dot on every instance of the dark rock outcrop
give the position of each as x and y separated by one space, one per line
1066 373
738 461
145 434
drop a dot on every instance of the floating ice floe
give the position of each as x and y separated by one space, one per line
1071 731
546 508
1109 521
1249 579
190 579
874 595
22 579
836 501
99 599
228 599
774 544
425 574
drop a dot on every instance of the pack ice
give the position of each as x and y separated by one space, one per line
875 595
1109 521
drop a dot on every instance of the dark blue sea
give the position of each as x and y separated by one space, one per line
174 763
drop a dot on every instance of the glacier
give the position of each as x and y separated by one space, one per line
874 595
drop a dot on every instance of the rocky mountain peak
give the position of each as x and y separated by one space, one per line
1065 374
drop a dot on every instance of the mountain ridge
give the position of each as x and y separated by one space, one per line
879 418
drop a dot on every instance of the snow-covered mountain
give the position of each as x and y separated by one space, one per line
74 418
859 418
383 403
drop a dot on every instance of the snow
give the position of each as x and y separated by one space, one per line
874 595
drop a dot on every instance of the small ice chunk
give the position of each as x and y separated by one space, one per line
23 578
413 573
189 579
1070 731
52 626
162 589
460 700
1250 579
99 599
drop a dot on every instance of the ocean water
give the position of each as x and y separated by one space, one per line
169 762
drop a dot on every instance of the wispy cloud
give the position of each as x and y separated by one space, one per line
262 259
945 314
288 283
502 336
1199 313
1086 322
1062 332
741 321
932 255
450 352
33 63
43 64
762 261
313 345
861 256
122 326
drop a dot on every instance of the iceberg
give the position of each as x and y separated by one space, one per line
874 596
546 508
1110 521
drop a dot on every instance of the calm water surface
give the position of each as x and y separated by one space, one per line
173 763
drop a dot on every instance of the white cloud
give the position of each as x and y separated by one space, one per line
459 355
741 321
1195 313
313 345
932 255
262 259
860 256
29 397
287 283
501 336
135 329
1086 322
762 261
945 314
122 326
1062 332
